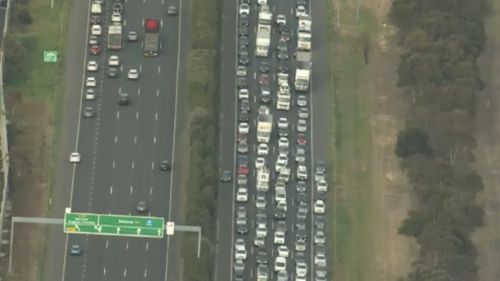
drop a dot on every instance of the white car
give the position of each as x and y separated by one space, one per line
242 195
243 94
321 186
133 74
262 149
283 123
262 2
261 230
244 9
301 269
260 162
279 238
319 207
280 195
280 264
91 82
301 126
92 66
260 203
301 11
113 60
90 94
241 71
259 241
281 19
74 157
301 172
116 17
320 259
283 142
243 128
96 30
300 245
319 237
283 251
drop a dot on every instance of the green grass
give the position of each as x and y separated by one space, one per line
351 142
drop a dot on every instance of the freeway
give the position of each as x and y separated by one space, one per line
121 148
318 135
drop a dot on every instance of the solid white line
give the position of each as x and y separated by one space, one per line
311 260
77 137
175 131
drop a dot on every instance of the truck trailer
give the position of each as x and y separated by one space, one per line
115 36
263 40
264 124
151 37
303 71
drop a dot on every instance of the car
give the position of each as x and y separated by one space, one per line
243 41
240 253
74 158
319 237
300 154
301 126
94 50
261 230
282 28
113 72
301 186
262 272
133 74
242 147
319 221
243 94
283 142
301 101
95 19
93 40
282 46
265 95
142 207
259 241
280 264
244 58
283 251
90 94
123 99
261 257
243 128
260 202
244 20
116 17
319 207
172 10
113 60
283 68
264 79
301 269
279 238
319 175
279 214
260 162
301 139
301 172
245 104
282 276
96 29
88 112
320 167
241 71
301 197
302 211
165 165
262 149
321 186
75 250
301 11
262 2
283 55
280 19
242 195
282 122
243 116
263 67
91 82
239 267
244 9
303 113
117 7
132 36
92 66
226 176
285 35
243 30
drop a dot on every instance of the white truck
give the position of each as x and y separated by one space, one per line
263 179
303 71
304 33
264 124
96 9
283 101
115 36
263 41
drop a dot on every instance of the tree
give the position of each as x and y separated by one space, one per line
15 54
412 141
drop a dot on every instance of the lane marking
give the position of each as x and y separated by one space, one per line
118 115
116 139
135 139
107 244
145 272
131 189
104 271
147 245
151 191
152 165
156 116
139 91
157 92
140 67
114 164
154 140
126 245
137 115
124 22
125 272
133 165
159 69
110 192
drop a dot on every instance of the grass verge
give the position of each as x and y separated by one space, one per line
203 111
351 140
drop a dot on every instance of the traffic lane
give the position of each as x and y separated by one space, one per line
227 104
73 69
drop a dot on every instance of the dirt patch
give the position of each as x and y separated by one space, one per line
29 148
486 238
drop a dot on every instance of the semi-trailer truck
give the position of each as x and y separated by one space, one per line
303 71
151 37
263 40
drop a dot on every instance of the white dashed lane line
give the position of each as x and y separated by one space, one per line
110 192
145 272
157 92
154 140
147 245
133 165
135 139
137 115
126 245
159 69
125 272
139 92
118 115
104 271
131 189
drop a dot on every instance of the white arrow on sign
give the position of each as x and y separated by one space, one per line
98 228
117 230
77 227
138 231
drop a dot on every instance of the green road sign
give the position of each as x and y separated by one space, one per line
82 223
49 56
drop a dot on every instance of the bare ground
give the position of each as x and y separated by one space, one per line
487 238
384 254
30 141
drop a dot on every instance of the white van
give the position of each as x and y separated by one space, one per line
96 8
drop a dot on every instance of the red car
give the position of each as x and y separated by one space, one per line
94 49
264 79
242 137
243 169
301 139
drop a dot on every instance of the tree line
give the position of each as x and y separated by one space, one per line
438 74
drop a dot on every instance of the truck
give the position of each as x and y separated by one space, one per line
151 37
96 9
264 124
283 101
115 36
303 71
263 179
263 40
304 33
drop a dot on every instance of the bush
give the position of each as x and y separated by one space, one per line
24 17
15 54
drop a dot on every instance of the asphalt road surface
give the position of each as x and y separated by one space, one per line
121 147
318 134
